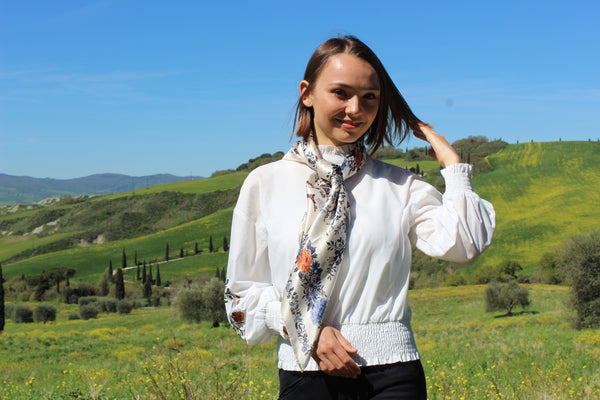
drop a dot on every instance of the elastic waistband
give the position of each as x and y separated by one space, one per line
377 344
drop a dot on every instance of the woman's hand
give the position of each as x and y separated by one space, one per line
332 353
441 150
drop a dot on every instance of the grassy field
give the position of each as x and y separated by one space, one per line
542 193
152 354
194 186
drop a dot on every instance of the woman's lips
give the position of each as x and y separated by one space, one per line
349 124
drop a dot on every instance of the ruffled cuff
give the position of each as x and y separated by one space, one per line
457 177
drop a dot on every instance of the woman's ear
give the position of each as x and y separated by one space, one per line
305 93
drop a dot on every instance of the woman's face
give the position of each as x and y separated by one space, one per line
344 98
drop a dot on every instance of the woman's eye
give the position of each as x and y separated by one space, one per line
339 92
370 96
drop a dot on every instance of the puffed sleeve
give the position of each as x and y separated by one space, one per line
456 226
252 302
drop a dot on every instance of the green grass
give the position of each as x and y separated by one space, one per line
426 165
91 262
194 186
542 193
14 244
466 353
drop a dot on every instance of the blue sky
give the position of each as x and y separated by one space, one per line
190 87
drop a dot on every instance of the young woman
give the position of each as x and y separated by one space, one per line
321 241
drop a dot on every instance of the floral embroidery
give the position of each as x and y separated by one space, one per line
322 242
237 316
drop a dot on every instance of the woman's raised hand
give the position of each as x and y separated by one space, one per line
332 353
441 150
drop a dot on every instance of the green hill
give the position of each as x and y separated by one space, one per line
542 193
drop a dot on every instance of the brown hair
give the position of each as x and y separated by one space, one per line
394 118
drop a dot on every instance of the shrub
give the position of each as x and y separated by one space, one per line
22 313
71 295
213 305
84 301
189 304
455 279
124 306
9 311
74 316
505 296
44 313
107 304
89 311
202 304
504 272
579 261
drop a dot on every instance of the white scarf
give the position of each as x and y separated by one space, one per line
322 238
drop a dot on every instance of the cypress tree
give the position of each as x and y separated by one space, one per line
147 289
119 285
150 276
167 252
135 260
124 262
110 270
196 248
210 246
2 317
218 273
225 244
158 281
144 278
138 273
104 289
181 253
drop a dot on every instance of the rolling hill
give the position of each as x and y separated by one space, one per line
25 189
542 192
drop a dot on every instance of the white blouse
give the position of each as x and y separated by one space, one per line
392 210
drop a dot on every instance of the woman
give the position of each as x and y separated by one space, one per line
321 240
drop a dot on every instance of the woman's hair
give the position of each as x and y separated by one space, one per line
394 118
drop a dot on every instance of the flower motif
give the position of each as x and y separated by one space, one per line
238 316
304 260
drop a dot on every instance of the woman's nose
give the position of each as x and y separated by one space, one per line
353 105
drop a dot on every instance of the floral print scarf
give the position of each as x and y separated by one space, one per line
322 238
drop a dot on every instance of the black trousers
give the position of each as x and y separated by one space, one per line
403 380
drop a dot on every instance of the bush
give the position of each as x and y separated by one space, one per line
579 261
124 306
212 299
44 313
189 303
107 304
71 294
202 304
22 313
9 311
456 279
73 316
89 311
506 271
84 301
505 296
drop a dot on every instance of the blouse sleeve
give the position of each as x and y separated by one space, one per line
456 226
252 302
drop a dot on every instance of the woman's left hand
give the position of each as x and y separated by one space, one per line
441 150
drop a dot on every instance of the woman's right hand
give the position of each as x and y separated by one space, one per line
332 353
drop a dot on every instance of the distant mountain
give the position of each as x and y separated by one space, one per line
25 189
